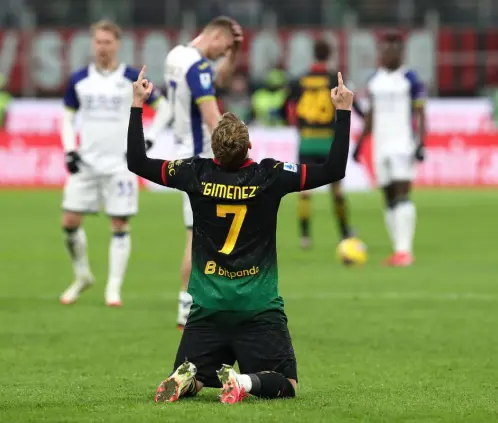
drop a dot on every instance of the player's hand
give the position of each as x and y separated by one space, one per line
238 35
73 161
148 145
142 89
342 97
420 153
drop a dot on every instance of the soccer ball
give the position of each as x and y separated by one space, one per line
352 252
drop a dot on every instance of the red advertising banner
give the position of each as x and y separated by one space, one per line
452 159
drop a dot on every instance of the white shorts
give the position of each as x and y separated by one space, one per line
87 192
188 217
394 167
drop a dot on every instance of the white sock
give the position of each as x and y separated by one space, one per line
405 217
119 253
245 382
184 304
76 245
389 219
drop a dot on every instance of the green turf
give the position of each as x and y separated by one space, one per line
373 344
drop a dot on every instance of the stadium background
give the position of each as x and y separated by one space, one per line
373 344
452 44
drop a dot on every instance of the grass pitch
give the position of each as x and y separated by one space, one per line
373 344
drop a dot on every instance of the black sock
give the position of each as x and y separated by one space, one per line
271 385
304 215
341 213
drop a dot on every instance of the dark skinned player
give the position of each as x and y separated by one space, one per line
396 120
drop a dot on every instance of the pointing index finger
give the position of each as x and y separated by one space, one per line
339 79
142 73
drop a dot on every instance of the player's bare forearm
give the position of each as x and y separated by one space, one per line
334 169
421 125
137 159
226 68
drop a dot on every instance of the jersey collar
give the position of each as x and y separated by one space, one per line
318 67
247 163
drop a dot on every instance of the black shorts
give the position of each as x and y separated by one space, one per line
312 159
261 343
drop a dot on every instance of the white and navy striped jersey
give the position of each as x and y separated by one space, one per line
190 80
103 100
393 96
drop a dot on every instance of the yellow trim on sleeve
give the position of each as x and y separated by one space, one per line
71 109
155 102
205 98
419 103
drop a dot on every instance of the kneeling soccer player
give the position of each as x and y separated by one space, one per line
237 313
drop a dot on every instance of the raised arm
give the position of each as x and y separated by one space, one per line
334 169
138 162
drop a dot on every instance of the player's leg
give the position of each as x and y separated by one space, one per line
184 298
80 197
120 193
119 254
405 218
341 210
203 349
263 349
304 210
402 170
389 197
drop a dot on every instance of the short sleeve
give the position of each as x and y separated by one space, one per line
286 177
132 75
200 81
178 174
71 100
417 89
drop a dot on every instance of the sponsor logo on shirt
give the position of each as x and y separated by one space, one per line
291 167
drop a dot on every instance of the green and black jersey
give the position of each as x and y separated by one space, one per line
315 111
234 255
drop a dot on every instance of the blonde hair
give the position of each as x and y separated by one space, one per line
106 25
230 141
222 22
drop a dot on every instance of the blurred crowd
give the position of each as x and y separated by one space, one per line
16 13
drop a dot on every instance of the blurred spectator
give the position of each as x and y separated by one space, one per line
5 99
238 99
269 102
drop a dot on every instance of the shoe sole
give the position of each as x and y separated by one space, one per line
170 389
227 384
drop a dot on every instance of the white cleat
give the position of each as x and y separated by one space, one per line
80 285
231 391
180 383
113 299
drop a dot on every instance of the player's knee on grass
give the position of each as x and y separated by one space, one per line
71 220
272 385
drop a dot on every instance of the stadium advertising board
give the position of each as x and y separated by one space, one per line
462 146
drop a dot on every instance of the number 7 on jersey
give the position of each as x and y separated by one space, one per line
239 213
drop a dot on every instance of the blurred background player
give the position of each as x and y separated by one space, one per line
397 100
315 114
190 82
102 94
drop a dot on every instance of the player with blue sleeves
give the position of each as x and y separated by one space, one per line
191 81
100 95
397 122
